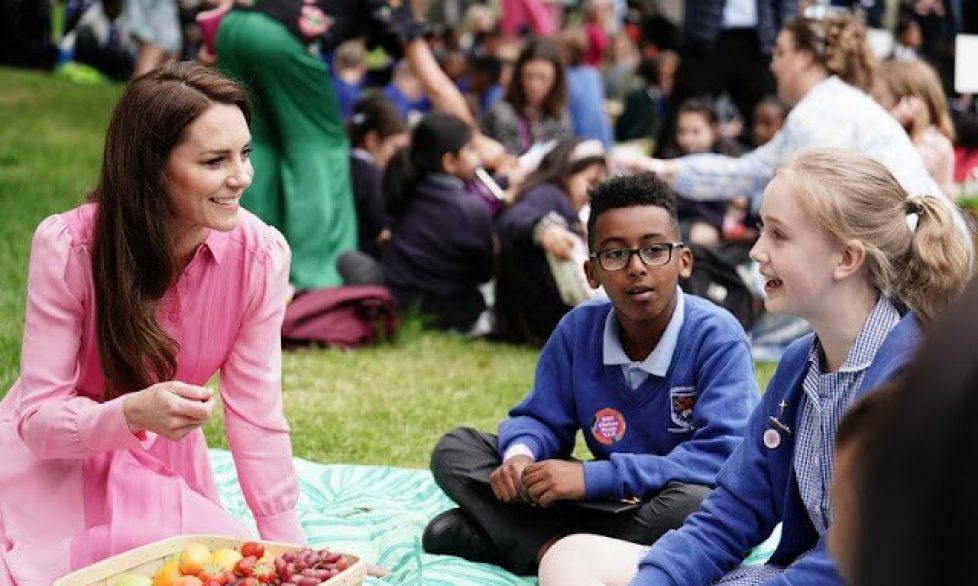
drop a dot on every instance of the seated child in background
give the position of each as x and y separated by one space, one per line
406 93
739 221
349 71
697 131
442 245
660 383
376 131
544 219
647 108
835 236
912 93
769 116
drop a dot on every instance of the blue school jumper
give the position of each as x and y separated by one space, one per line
680 427
757 487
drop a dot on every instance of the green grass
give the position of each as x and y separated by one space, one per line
382 405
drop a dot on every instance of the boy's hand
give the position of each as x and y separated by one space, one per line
506 480
554 480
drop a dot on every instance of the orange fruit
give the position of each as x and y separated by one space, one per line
193 558
167 575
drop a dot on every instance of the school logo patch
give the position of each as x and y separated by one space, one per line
608 426
682 400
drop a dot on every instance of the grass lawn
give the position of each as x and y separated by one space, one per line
383 405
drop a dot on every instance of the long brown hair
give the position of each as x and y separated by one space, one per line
539 49
133 260
838 42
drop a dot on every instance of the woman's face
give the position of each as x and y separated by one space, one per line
787 64
207 173
580 183
537 77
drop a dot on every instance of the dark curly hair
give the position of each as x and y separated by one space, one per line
626 191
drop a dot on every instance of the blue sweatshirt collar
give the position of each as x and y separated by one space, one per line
658 361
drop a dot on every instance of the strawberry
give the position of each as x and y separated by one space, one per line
214 573
264 572
250 548
244 566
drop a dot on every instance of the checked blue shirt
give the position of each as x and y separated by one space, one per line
827 397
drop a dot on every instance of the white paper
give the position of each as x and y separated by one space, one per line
966 64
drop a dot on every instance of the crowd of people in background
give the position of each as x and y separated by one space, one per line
637 76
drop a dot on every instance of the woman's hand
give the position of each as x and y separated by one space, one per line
171 409
558 241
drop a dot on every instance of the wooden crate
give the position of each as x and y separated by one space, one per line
148 559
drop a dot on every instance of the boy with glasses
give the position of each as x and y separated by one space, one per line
659 383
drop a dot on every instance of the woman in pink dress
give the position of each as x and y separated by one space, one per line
134 301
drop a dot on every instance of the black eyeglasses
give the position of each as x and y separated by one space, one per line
652 255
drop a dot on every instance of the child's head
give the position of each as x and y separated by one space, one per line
912 93
908 33
440 143
573 164
455 64
573 46
484 72
406 81
769 115
856 439
376 127
350 56
696 127
835 218
636 253
919 465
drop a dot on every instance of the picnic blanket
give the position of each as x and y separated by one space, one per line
379 513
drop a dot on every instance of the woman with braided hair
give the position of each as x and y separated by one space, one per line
824 66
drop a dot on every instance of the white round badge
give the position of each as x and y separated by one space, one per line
772 439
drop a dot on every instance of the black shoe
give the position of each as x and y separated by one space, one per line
453 533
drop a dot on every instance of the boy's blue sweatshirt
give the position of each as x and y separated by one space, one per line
757 488
678 428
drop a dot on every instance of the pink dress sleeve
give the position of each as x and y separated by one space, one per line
251 389
53 420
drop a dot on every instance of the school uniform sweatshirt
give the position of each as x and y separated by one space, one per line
680 427
757 487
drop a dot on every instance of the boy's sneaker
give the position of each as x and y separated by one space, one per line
454 533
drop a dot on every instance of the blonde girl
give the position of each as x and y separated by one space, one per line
844 247
911 92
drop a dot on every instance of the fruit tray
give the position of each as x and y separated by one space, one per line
148 559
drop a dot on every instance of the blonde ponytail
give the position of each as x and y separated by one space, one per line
937 264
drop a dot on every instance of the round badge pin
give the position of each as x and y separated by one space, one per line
772 439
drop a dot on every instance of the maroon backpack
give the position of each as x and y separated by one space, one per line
352 316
